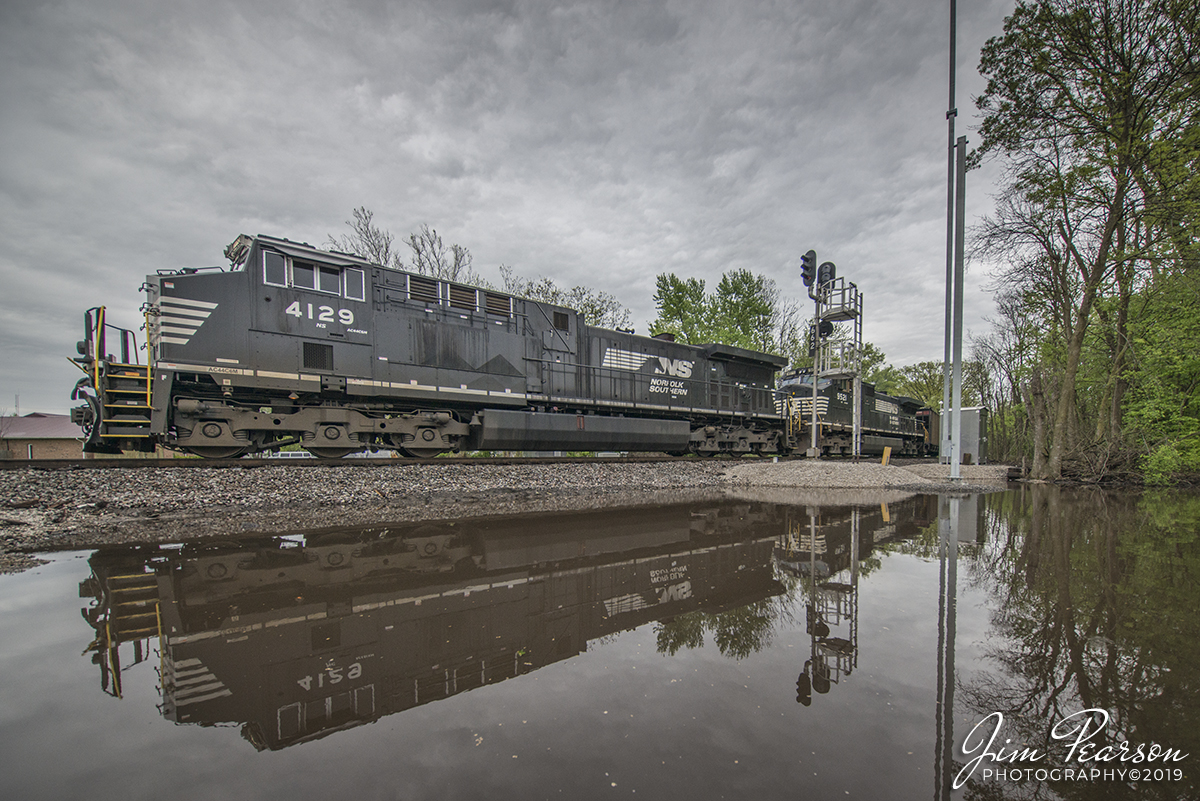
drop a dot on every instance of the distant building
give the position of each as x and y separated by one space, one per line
40 436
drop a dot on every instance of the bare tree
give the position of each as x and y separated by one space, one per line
431 257
598 308
367 240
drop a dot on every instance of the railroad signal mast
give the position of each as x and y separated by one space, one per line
835 301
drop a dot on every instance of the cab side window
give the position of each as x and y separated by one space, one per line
304 275
274 268
355 289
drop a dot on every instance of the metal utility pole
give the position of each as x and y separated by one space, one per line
858 394
944 446
960 204
949 517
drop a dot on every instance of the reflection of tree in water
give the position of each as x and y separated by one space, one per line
736 632
1096 598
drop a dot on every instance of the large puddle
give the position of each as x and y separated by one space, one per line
719 650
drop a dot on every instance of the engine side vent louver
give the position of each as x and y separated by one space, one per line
464 297
498 304
423 289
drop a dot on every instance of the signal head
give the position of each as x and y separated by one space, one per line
826 272
808 267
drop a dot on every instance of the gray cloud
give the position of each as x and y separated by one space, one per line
598 143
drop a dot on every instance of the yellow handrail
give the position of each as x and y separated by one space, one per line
149 355
97 335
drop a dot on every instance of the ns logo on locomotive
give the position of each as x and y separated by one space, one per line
295 345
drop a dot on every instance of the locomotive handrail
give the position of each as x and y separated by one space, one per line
191 270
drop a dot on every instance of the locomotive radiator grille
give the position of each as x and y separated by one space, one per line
464 297
318 356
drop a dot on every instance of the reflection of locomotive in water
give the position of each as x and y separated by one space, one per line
296 637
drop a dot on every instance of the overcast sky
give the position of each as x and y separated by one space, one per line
598 143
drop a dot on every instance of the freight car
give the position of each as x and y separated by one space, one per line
291 344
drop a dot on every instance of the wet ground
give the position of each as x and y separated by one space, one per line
765 646
61 509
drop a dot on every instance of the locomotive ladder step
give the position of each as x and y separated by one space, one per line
130 576
127 406
134 619
139 634
126 600
140 586
141 603
123 607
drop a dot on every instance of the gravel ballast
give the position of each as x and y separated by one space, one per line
50 510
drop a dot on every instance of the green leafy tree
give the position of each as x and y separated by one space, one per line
683 308
745 310
1092 106
1163 409
875 370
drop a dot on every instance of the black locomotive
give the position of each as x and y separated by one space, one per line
296 345
901 423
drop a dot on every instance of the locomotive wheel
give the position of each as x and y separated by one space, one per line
218 452
330 453
421 453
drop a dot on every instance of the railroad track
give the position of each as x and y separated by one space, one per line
251 463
